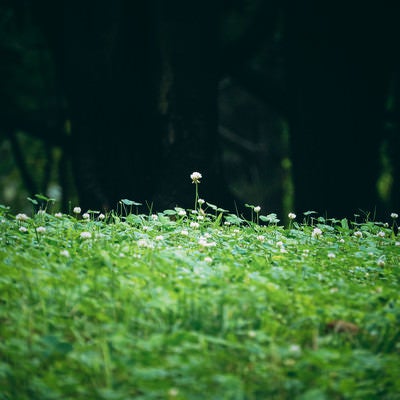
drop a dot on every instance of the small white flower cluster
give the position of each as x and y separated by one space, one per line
194 224
145 243
65 253
380 262
358 234
21 217
257 209
281 246
381 234
203 242
292 216
40 229
77 210
394 215
316 233
181 212
85 235
195 177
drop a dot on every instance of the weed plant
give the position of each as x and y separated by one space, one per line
197 304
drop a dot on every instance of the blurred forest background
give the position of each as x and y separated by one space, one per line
291 105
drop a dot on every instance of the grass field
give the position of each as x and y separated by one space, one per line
197 305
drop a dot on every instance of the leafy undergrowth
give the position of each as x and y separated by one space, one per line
197 305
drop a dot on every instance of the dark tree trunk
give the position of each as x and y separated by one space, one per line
188 101
338 79
141 86
110 67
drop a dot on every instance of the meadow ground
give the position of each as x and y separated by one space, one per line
197 304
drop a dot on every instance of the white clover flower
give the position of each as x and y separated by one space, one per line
208 259
207 235
194 225
184 232
144 243
331 255
316 233
154 217
279 244
358 234
397 244
257 209
381 262
101 217
40 229
58 215
145 228
203 242
295 348
381 234
64 253
173 392
41 212
181 213
236 231
86 216
227 223
200 217
201 201
291 215
23 229
261 238
195 177
159 237
77 210
252 334
21 217
394 215
85 235
341 240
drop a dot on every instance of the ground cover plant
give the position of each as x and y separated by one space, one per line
197 304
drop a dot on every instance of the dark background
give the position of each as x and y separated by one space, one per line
293 105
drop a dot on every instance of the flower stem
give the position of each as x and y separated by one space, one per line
196 197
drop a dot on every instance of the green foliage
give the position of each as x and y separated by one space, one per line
182 304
